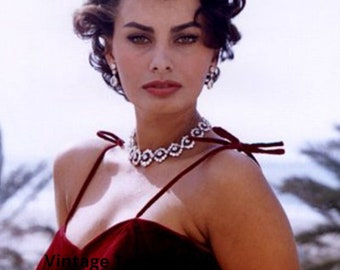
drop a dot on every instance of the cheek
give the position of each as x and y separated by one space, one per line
126 61
129 69
198 70
198 64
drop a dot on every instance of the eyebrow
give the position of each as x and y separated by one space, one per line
174 29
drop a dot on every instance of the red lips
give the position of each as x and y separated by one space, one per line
162 88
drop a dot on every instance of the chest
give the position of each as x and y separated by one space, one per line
134 244
112 198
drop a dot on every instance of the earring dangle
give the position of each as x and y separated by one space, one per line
212 76
114 79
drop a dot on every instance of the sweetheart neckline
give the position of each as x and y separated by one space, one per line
124 222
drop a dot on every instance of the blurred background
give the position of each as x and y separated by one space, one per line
284 84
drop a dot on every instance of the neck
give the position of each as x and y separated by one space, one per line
161 130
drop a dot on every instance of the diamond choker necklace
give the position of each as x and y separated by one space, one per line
146 157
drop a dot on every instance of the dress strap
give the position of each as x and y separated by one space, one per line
116 141
229 141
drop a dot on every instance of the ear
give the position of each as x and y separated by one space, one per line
108 52
109 59
214 60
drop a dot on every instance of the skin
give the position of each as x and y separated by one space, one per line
235 214
160 56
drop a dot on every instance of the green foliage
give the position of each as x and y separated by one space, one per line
319 246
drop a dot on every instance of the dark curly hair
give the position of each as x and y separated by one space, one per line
95 21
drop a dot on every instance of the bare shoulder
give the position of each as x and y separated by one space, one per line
244 218
74 159
233 164
71 168
233 172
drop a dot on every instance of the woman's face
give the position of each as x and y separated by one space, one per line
159 53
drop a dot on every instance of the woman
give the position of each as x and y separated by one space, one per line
171 201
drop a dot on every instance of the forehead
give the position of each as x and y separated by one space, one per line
157 12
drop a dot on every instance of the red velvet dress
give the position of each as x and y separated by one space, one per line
139 244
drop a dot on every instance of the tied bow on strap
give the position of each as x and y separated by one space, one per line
231 142
108 136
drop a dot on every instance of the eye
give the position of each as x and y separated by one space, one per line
138 39
187 39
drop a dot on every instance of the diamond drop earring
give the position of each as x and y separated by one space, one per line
212 76
114 79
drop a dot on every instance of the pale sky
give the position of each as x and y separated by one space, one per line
284 83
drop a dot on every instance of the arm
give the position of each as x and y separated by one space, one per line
247 227
59 177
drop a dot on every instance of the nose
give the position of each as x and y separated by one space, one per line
161 60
